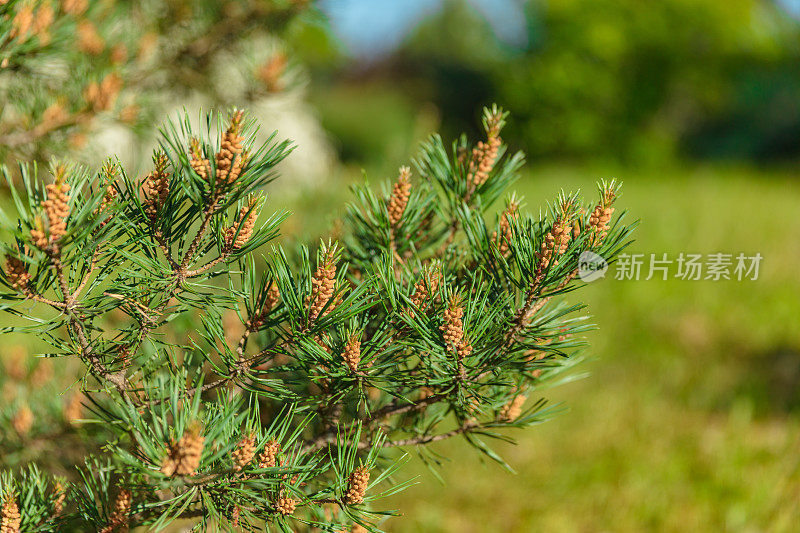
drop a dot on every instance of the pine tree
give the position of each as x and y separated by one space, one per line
429 319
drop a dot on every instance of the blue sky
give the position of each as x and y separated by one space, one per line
369 28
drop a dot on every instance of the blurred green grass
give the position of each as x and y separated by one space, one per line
690 417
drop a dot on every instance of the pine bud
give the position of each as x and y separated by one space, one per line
183 457
38 234
485 154
229 159
268 456
513 408
357 486
245 225
400 194
603 211
56 206
59 495
453 328
323 283
285 505
235 516
270 300
502 237
17 273
556 240
244 452
109 176
118 520
197 160
427 285
10 518
352 352
156 186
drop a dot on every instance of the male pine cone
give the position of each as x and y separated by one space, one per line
184 456
10 518
400 194
357 486
244 452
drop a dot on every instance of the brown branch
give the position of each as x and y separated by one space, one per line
205 268
159 238
95 365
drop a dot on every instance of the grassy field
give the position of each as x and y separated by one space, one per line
690 417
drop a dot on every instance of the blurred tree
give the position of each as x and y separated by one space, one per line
67 66
602 78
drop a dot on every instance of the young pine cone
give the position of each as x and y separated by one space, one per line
156 187
183 457
427 285
352 352
555 241
513 408
502 237
118 520
56 206
230 157
60 494
323 283
110 173
485 154
399 198
268 456
270 300
285 505
357 486
601 215
245 225
244 452
17 273
197 160
453 326
10 518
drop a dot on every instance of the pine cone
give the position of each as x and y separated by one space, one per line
352 352
17 273
10 518
357 486
156 187
323 283
399 198
230 158
285 505
183 457
244 452
267 458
